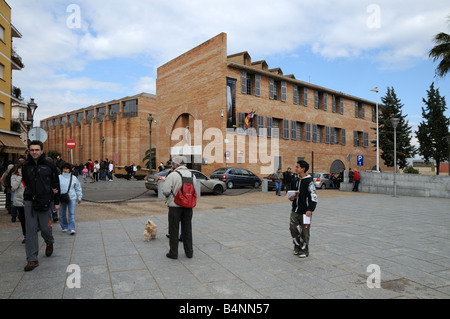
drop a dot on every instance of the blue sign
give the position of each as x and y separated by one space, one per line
360 160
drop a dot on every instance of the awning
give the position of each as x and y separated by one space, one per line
11 144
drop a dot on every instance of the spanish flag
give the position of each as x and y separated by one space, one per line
248 119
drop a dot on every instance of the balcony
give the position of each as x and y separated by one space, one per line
16 61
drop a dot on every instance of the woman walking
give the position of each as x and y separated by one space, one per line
18 187
69 184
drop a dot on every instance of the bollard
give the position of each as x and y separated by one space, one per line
160 190
265 185
198 188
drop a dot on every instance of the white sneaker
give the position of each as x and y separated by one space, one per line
72 232
302 255
64 230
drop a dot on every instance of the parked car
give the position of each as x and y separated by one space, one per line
271 185
207 185
236 176
322 180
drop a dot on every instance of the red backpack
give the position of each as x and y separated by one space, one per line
186 196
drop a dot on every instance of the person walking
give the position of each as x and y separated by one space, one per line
69 184
306 202
18 186
177 213
110 170
278 182
85 173
42 188
356 179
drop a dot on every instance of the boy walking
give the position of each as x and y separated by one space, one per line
305 203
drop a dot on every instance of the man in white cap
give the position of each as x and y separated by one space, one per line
178 213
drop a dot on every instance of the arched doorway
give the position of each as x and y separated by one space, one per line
336 167
182 141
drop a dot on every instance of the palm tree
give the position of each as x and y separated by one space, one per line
441 51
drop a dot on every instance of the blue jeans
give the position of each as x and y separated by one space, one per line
278 188
67 222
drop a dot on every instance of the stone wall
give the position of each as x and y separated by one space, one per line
407 184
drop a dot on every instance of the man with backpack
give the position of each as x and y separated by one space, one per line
181 198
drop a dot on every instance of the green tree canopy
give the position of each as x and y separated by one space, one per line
392 108
433 130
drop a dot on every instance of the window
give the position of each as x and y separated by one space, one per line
308 132
130 108
2 69
327 134
360 139
2 109
360 110
304 96
240 123
293 130
2 33
101 112
79 117
341 104
269 122
276 126
257 84
283 91
343 138
296 95
323 101
71 118
62 121
260 125
114 109
22 116
316 99
286 129
89 116
274 86
314 133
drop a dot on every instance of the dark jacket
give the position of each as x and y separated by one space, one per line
307 196
40 179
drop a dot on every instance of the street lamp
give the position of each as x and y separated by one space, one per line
448 142
378 148
103 142
395 122
32 107
150 120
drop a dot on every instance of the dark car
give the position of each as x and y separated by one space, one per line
236 177
271 185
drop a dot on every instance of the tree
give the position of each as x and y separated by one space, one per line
441 51
432 131
146 158
391 107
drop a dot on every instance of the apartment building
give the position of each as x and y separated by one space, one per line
10 143
201 110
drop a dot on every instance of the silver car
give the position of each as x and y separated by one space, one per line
322 180
207 185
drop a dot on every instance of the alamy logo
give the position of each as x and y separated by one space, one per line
374 279
74 19
74 279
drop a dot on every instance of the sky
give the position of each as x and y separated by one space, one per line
86 52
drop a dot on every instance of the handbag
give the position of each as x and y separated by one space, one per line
65 198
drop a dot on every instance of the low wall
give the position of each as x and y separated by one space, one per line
407 184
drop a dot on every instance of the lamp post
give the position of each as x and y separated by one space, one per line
378 148
448 142
32 107
395 122
150 120
103 143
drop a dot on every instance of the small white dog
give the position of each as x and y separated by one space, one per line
150 231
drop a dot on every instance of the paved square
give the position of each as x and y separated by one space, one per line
247 253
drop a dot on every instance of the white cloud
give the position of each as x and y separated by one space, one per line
56 56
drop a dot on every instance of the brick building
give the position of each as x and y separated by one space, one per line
122 123
202 103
